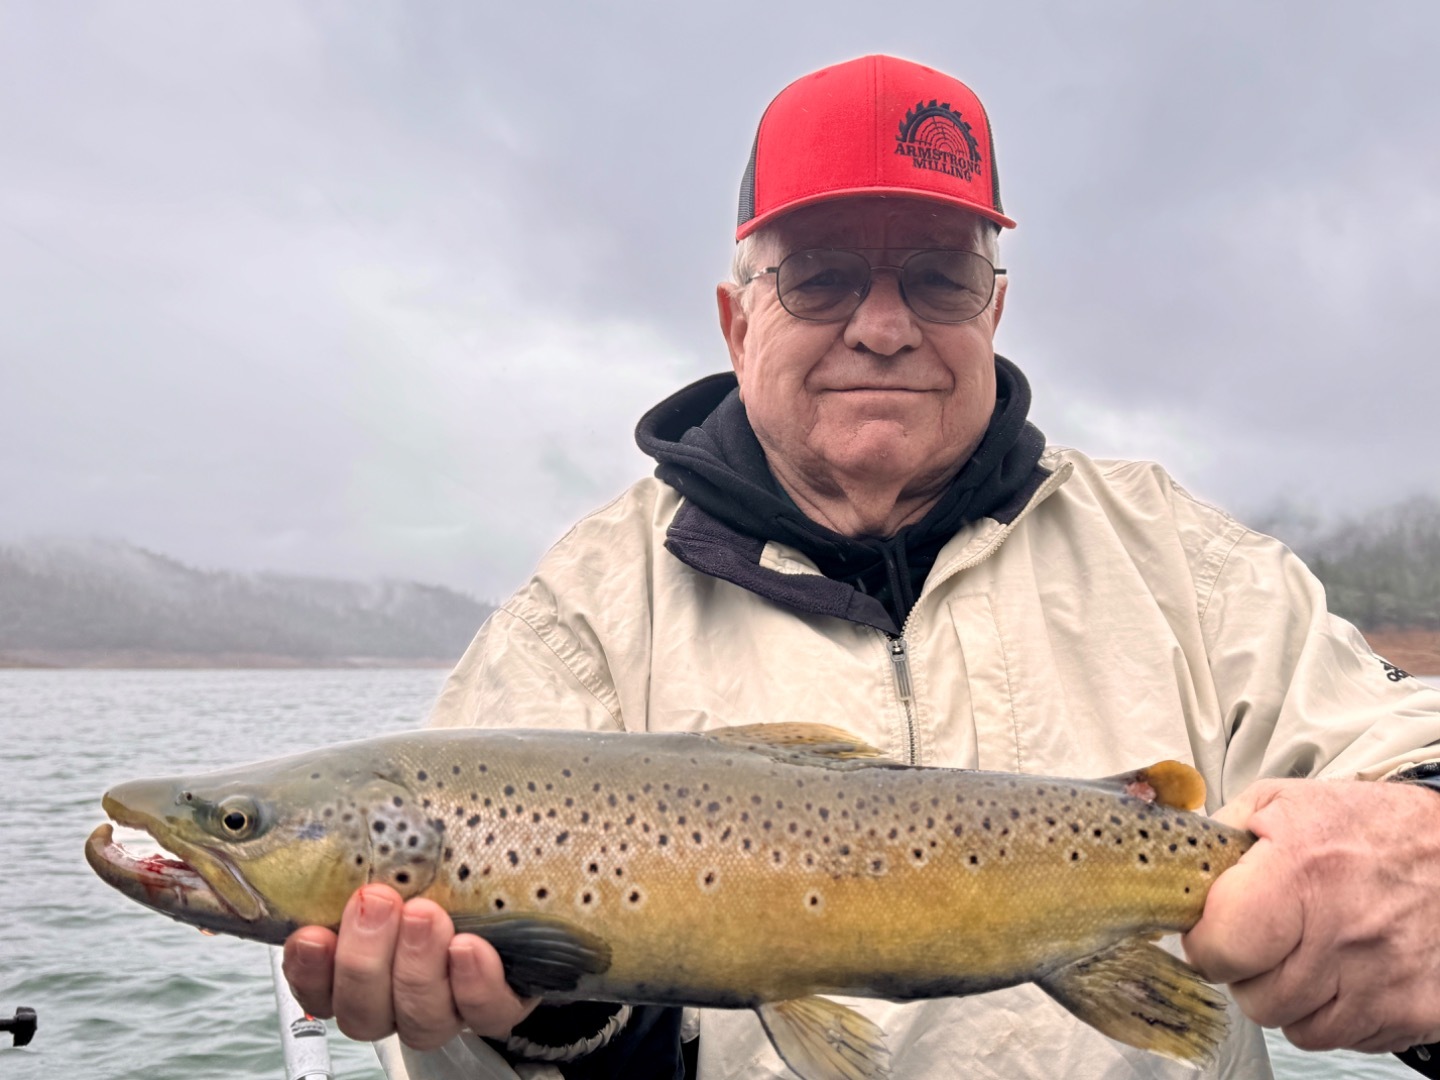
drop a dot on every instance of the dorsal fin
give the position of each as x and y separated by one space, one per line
831 744
1169 783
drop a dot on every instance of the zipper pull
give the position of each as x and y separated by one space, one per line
901 659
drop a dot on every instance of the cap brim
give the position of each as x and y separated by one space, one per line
768 216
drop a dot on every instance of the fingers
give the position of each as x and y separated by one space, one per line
477 979
310 968
1325 926
399 967
425 1013
1253 919
361 993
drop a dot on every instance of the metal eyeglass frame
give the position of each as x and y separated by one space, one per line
899 271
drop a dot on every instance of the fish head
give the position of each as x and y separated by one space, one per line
266 848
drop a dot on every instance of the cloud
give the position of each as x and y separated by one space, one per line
384 290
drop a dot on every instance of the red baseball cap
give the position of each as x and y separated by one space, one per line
873 126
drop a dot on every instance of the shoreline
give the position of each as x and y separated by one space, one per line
148 660
1412 650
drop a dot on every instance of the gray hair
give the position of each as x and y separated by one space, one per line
753 250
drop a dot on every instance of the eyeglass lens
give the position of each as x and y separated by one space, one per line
827 284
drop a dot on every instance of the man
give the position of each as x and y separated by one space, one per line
868 532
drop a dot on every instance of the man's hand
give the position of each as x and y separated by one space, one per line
1329 927
400 967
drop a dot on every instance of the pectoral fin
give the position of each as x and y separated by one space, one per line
540 955
1139 994
823 1040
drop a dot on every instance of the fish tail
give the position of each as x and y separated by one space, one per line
1137 993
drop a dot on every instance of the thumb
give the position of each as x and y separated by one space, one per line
1238 812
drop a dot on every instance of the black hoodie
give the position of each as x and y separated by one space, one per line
709 453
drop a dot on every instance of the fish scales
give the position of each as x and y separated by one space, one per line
737 870
791 879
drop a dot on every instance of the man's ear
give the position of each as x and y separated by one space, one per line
1002 282
734 321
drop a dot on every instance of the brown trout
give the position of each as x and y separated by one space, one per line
752 867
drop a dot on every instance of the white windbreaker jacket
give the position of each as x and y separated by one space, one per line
1114 621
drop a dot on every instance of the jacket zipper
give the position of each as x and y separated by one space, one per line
900 649
900 660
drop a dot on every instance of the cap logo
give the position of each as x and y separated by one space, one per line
936 137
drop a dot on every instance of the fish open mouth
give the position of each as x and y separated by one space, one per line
173 886
156 874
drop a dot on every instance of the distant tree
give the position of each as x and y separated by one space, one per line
1379 571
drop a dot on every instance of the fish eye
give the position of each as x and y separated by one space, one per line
237 817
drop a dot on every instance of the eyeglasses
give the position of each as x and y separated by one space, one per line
829 285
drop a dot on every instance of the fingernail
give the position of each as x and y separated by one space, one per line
463 962
414 929
309 954
375 910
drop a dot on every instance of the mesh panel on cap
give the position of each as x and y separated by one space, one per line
747 186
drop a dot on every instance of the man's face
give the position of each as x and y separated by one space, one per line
884 398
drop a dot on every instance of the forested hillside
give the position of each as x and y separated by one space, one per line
86 601
111 603
1381 570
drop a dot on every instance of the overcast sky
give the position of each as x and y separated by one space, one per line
380 288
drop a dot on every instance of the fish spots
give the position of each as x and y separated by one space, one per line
464 872
814 902
635 898
709 880
422 775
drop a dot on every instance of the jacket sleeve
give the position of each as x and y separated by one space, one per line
1302 692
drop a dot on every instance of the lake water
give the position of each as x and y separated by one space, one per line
122 992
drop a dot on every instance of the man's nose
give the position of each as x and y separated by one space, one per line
883 323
